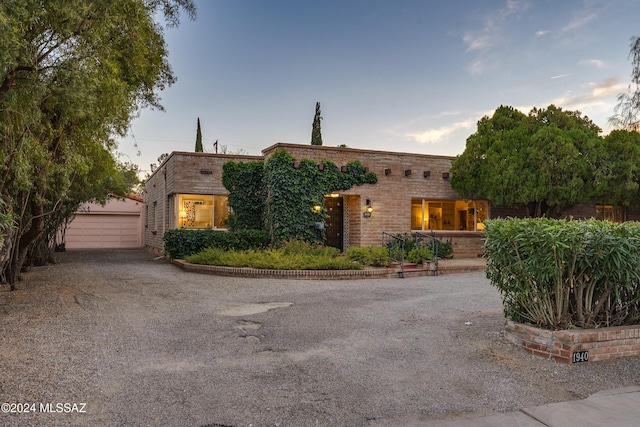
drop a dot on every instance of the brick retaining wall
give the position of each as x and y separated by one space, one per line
286 274
601 344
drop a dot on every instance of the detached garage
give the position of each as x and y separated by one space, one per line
118 224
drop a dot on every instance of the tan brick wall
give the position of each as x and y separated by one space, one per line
182 173
602 343
391 196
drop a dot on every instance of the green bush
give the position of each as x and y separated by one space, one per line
376 256
419 254
445 249
296 246
180 243
560 274
275 259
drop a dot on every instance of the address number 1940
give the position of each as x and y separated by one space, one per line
580 356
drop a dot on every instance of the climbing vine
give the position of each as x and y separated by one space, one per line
289 193
243 180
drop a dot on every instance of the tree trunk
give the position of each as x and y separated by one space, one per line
24 242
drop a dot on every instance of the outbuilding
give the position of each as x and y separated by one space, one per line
117 224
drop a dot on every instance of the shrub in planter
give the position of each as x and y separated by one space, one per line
375 256
445 249
419 254
559 274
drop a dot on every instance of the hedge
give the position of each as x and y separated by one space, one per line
560 274
180 243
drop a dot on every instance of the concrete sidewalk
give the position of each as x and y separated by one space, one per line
618 407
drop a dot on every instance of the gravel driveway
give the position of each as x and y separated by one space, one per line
142 343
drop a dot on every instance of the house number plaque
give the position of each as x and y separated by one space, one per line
580 356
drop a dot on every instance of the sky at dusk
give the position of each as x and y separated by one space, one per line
402 75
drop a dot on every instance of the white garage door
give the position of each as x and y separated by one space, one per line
103 231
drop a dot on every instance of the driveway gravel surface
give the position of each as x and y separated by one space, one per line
132 340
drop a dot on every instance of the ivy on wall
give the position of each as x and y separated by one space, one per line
243 180
291 197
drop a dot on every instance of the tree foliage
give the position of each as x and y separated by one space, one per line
73 74
316 133
618 177
548 160
627 112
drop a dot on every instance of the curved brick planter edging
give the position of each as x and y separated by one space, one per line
570 345
286 274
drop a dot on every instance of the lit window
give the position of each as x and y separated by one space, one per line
448 214
610 213
202 211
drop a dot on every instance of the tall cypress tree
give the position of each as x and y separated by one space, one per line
316 135
199 139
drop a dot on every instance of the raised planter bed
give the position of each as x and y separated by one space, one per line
576 345
369 273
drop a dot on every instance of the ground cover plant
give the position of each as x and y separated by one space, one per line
561 274
291 255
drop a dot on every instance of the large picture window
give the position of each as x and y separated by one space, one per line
448 214
202 211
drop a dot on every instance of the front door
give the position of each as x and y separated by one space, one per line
334 224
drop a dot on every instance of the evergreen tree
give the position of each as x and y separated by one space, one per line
199 139
549 160
316 134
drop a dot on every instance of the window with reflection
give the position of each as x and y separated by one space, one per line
202 211
429 214
610 213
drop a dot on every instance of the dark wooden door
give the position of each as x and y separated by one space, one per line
334 225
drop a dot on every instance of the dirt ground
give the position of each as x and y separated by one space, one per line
119 338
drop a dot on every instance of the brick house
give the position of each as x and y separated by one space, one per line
413 193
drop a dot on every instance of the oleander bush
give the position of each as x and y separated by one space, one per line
560 274
180 243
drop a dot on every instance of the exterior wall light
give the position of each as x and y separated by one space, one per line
368 210
317 208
